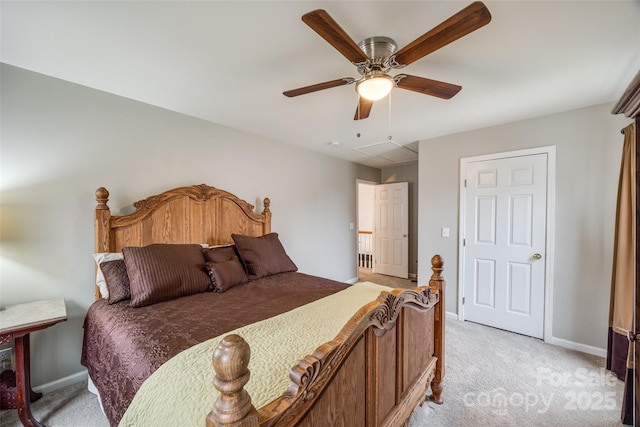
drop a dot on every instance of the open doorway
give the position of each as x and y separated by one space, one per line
365 225
383 234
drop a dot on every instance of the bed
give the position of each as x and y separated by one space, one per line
177 355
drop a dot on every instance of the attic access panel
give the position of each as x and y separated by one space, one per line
390 151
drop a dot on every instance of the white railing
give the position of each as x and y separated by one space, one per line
365 249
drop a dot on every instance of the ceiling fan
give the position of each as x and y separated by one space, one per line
374 57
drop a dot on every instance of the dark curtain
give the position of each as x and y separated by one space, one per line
620 359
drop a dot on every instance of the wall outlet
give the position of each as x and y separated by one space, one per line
5 359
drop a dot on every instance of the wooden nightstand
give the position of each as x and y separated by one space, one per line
16 323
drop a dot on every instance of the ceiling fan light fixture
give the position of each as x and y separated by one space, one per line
375 86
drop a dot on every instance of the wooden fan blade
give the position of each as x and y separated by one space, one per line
323 24
364 108
427 86
469 19
318 86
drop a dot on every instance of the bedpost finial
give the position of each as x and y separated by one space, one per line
231 357
437 261
436 265
437 281
230 361
102 197
267 203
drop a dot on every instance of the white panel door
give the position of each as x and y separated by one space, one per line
504 243
391 230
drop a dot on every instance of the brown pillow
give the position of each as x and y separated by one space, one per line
219 254
226 274
263 256
117 280
162 272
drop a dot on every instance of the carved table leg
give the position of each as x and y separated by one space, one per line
23 382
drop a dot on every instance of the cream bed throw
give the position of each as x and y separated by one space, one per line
181 392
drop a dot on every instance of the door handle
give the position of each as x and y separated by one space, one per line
537 256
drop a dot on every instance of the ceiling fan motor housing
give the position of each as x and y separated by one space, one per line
379 50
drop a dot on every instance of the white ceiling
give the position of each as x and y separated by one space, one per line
229 62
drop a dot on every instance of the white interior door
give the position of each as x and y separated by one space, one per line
504 243
391 230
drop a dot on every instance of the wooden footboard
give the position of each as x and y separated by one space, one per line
374 373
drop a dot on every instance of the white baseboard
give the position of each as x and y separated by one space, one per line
352 281
450 315
560 342
61 383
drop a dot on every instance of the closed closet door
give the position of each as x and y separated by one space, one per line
504 243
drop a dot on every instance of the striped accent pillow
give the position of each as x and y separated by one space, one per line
115 276
162 272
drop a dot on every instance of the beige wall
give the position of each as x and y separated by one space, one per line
61 141
588 144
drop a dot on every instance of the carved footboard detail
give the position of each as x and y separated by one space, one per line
375 372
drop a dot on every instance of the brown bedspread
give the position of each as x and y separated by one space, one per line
123 346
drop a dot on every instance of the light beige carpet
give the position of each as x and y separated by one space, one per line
498 378
493 378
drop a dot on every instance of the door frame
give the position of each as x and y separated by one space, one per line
550 151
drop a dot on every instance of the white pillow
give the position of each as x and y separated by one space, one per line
100 258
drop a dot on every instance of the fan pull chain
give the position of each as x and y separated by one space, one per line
389 137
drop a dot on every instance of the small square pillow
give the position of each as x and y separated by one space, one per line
162 272
263 256
115 275
226 274
100 258
219 253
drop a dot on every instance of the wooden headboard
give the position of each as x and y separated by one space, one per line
194 214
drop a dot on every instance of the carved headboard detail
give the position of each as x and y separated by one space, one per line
193 214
